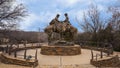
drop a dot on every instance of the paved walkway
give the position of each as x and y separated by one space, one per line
47 66
45 61
83 58
77 61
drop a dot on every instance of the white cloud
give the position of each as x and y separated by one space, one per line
39 20
43 11
28 21
67 2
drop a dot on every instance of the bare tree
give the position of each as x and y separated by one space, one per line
92 22
10 13
115 20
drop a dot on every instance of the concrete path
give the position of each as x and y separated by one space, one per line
45 61
77 61
83 58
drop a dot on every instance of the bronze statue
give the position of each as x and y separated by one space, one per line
55 20
60 30
67 19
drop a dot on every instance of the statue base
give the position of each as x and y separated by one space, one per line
61 43
61 50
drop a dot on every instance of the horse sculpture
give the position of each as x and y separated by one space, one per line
60 30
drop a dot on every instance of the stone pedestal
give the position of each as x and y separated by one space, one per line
61 50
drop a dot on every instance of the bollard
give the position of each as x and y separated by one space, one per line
92 54
6 49
101 56
15 54
36 55
9 51
25 53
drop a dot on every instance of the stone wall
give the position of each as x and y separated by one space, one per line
107 62
17 61
61 50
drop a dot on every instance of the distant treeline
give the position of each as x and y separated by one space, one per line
8 36
102 39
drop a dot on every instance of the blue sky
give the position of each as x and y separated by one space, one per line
41 12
